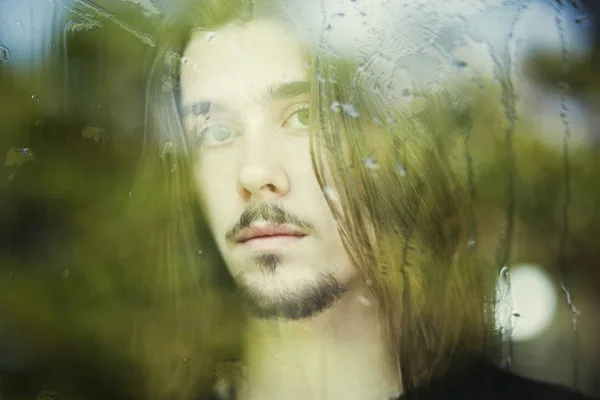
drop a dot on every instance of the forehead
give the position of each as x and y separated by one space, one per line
240 62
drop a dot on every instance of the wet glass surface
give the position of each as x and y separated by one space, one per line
452 145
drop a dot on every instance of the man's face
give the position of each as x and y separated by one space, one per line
245 99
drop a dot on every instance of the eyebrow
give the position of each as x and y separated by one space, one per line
288 90
276 92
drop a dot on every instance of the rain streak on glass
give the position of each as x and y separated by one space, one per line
4 53
403 51
564 114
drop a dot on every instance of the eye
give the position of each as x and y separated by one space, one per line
298 119
217 135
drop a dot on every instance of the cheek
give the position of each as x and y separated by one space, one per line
210 184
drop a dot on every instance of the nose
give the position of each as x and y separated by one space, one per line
261 176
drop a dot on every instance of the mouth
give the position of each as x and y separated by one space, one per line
269 236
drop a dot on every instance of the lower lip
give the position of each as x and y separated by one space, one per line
270 242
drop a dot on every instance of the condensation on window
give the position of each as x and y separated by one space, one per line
74 111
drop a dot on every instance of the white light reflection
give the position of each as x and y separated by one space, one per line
535 301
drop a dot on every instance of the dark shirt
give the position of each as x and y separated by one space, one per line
482 382
487 382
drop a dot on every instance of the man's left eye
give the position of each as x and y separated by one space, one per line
298 119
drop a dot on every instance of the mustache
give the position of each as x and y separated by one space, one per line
269 212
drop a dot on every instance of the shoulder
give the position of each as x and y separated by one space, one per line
492 383
505 385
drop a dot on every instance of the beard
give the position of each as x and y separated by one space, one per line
307 301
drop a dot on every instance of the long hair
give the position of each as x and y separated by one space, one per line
405 219
192 306
402 211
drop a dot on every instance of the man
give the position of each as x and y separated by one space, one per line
273 225
339 218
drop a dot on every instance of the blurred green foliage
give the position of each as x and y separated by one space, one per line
72 135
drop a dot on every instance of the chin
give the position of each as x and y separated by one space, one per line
289 292
284 278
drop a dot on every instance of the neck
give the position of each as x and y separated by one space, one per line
339 353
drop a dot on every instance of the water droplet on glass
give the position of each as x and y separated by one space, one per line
169 84
167 154
16 157
18 23
471 244
171 59
4 53
201 121
130 194
400 169
330 194
65 274
200 252
371 163
364 301
34 97
335 106
167 149
93 132
210 37
350 110
185 360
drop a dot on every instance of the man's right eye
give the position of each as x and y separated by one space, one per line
216 135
